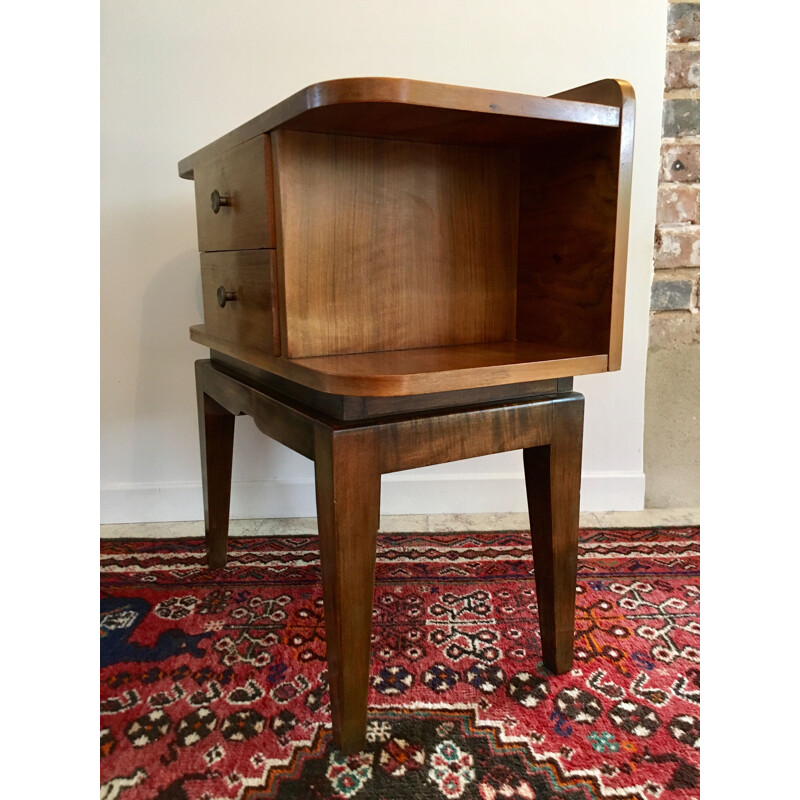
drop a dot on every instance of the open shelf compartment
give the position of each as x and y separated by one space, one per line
435 238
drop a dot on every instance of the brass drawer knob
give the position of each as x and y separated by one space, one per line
224 296
218 200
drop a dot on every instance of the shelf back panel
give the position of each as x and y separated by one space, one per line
392 245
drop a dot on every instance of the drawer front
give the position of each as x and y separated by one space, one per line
239 298
244 218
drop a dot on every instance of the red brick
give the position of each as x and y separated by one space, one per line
683 69
678 204
670 330
680 162
677 248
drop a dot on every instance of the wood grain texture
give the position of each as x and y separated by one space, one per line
434 244
244 174
349 460
553 481
391 251
349 407
408 372
280 420
627 101
439 437
399 108
250 320
568 205
216 426
580 219
348 486
392 245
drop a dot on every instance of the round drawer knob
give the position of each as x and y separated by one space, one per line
224 296
218 200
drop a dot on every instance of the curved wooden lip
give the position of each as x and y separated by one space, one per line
409 372
352 91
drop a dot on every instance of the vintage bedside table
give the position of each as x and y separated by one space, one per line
398 273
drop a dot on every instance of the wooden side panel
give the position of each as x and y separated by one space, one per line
574 222
626 126
568 211
244 175
389 245
250 319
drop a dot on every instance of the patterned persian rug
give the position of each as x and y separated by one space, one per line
213 685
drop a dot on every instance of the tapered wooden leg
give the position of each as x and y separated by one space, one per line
348 514
553 482
216 454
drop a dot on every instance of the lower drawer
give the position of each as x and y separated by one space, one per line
239 298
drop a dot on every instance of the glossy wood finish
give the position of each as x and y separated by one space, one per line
574 210
216 459
387 245
348 483
618 93
350 457
553 482
285 422
566 246
436 438
244 175
398 108
406 372
251 318
430 238
445 260
350 407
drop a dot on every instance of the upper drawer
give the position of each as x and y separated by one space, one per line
244 218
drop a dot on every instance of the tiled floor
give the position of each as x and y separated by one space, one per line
417 522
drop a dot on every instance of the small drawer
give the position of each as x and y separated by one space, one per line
233 198
239 298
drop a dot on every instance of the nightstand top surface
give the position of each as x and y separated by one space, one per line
420 111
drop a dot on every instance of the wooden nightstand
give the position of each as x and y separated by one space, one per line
396 274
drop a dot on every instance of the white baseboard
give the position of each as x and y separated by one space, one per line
400 494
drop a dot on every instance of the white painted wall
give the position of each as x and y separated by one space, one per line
177 75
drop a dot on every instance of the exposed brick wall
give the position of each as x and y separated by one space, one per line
676 284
